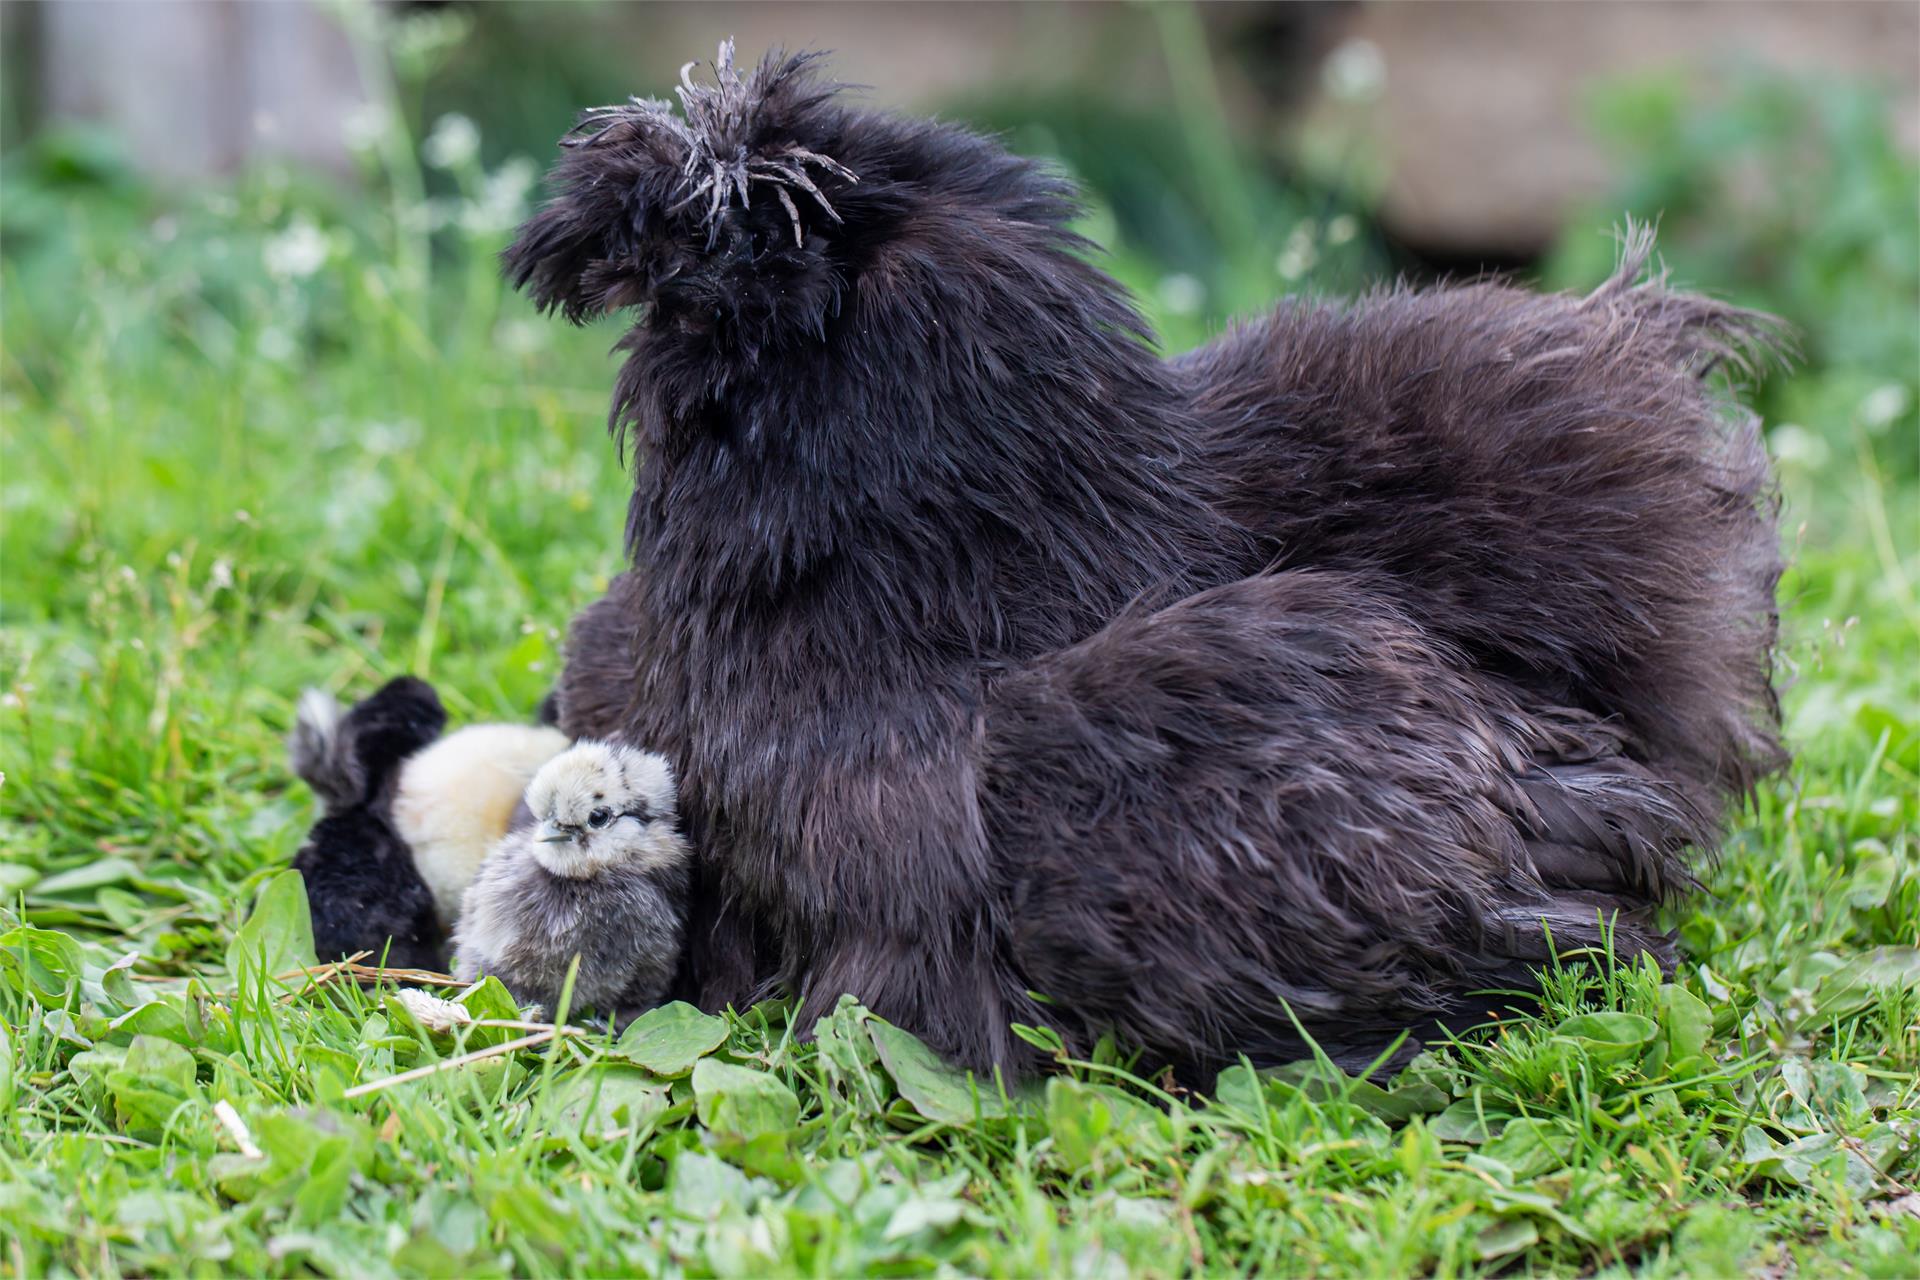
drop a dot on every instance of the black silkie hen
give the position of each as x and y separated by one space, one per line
1316 670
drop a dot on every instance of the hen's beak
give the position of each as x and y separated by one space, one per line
551 834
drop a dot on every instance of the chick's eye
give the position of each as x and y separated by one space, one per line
599 818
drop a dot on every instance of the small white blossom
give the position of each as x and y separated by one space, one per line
364 127
1300 253
520 338
454 142
1883 405
1182 294
502 201
275 344
1355 72
297 252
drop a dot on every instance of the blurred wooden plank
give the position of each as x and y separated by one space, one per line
203 86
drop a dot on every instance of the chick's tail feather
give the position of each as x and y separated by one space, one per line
314 750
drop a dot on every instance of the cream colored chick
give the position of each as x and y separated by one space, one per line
601 873
456 798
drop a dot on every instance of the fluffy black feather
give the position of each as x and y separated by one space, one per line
994 654
363 889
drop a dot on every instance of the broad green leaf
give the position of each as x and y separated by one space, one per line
1468 1121
489 999
936 1090
702 1186
848 1058
40 963
98 1062
88 875
1530 1147
173 1211
1323 1082
1609 1037
160 1059
604 1102
1685 1024
741 1102
323 1192
329 1071
1508 1236
278 937
1856 984
158 1018
16 878
923 1213
1079 1121
1083 1117
670 1039
1804 1161
312 1155
129 912
152 1082
1410 1098
533 1215
1240 1088
771 1155
1872 878
116 984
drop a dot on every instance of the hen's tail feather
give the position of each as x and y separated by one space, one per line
1550 483
1691 331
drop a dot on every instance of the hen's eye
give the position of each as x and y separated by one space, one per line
599 818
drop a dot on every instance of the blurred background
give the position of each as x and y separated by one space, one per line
250 317
1234 152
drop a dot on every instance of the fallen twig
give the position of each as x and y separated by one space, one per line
318 975
425 977
550 1032
237 1129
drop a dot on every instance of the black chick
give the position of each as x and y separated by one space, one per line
363 890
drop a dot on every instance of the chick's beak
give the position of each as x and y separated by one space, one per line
551 834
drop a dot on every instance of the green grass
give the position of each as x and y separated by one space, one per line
224 482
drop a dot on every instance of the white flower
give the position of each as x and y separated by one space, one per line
454 142
1182 294
275 344
1793 445
386 438
297 252
1299 255
1355 72
1882 406
364 126
518 337
502 201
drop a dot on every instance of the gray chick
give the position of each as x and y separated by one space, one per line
602 874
